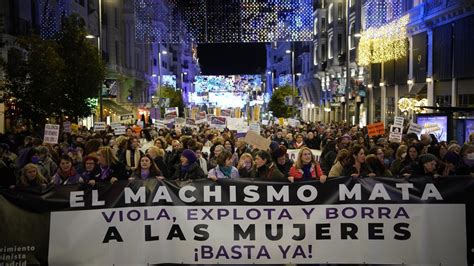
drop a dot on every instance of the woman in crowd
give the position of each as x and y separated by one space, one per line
306 168
411 158
466 166
46 161
245 165
328 156
31 177
66 174
224 168
265 169
425 167
357 167
146 169
229 146
282 161
111 169
91 168
400 155
132 155
299 141
449 165
378 168
200 158
158 156
212 163
188 167
341 160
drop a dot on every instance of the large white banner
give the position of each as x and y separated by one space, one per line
357 233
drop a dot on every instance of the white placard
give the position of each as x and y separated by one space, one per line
396 133
120 130
255 127
293 122
421 234
235 123
67 127
99 126
51 133
115 125
398 121
415 128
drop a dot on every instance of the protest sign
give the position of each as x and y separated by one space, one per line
51 133
255 139
376 129
226 112
293 122
255 127
74 128
191 123
120 130
115 125
99 126
398 121
415 128
67 127
395 134
218 122
392 221
235 123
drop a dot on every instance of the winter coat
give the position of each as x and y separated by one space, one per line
219 174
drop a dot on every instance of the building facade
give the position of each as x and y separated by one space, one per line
133 69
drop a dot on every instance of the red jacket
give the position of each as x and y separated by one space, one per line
316 172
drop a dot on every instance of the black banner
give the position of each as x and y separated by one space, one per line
34 223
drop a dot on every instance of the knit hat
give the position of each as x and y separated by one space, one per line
190 155
274 145
452 157
277 154
427 158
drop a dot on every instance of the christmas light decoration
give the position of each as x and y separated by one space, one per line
52 13
213 21
385 43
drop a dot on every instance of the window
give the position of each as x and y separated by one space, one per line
315 30
340 11
323 52
351 36
330 13
330 55
115 18
315 55
339 43
117 54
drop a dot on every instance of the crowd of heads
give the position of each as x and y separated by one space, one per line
323 151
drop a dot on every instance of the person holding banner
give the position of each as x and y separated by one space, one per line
188 168
91 168
282 161
306 168
132 155
341 160
245 165
357 166
66 174
158 155
265 169
146 169
31 177
224 168
111 169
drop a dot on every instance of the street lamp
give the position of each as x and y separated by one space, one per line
288 51
164 52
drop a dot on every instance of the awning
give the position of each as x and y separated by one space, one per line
114 107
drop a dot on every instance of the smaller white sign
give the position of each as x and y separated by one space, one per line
99 126
235 123
255 127
67 127
415 128
293 122
395 134
120 130
398 121
115 125
51 133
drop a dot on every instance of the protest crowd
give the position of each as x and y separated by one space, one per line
88 157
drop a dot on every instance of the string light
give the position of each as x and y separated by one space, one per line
385 43
206 21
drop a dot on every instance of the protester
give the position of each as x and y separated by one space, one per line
31 177
188 168
306 168
245 165
356 166
157 154
146 169
342 159
66 174
224 168
111 169
265 169
91 168
282 161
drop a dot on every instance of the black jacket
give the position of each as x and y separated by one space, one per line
350 169
194 172
268 172
117 170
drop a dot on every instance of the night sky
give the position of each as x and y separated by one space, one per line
232 58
